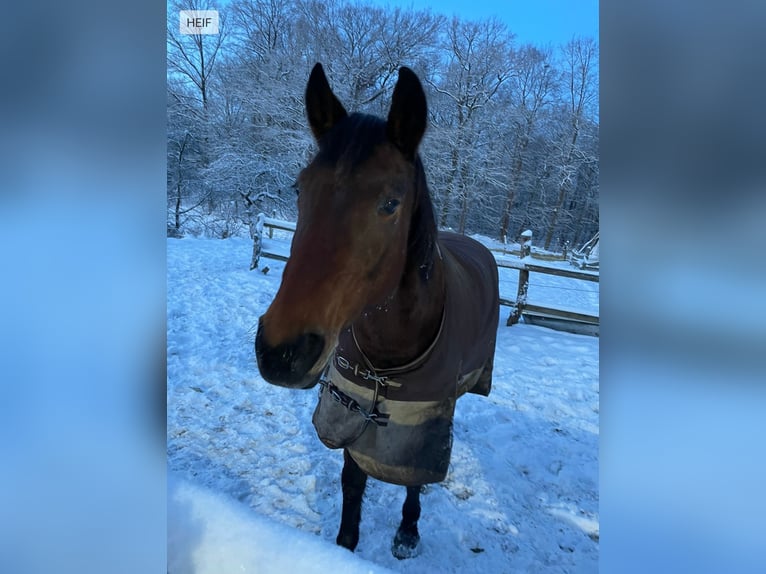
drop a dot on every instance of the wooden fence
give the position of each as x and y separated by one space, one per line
273 224
559 319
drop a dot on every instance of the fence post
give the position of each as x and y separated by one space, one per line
521 295
271 229
256 234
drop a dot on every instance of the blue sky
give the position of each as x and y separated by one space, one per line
536 22
533 21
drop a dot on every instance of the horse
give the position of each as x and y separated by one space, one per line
394 319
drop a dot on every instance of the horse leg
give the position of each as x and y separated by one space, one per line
407 536
353 481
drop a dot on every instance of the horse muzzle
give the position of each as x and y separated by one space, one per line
291 364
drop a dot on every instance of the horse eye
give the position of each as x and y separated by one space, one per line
390 206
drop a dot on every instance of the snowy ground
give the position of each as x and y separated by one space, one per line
254 490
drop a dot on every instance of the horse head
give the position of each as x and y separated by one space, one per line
359 209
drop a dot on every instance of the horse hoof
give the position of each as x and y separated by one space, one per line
348 541
406 545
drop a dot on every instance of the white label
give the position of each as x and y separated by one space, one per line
199 21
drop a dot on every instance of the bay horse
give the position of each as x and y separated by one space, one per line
394 319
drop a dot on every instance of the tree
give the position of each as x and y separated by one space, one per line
580 59
512 141
192 57
185 157
530 93
262 28
365 45
479 59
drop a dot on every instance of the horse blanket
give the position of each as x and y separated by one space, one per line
397 423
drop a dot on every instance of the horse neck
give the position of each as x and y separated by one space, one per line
403 327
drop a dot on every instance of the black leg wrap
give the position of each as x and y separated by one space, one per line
353 481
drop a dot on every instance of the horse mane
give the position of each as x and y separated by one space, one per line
350 143
423 229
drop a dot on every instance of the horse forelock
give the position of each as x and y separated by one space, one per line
352 141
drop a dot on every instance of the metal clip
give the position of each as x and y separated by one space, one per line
380 419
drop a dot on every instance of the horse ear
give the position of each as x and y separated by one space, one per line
322 107
408 114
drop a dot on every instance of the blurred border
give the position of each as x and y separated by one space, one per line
683 200
82 153
82 198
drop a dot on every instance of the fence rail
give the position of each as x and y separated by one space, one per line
561 319
542 256
273 224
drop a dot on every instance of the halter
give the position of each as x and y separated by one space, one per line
393 371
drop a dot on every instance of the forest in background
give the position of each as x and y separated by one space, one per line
512 141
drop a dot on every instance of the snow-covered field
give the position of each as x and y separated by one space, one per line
253 490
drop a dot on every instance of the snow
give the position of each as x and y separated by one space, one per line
253 489
211 534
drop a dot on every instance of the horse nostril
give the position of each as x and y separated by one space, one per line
307 351
288 363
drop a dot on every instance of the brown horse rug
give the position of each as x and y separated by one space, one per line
397 423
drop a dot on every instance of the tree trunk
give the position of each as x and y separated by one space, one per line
178 208
563 185
463 213
465 204
179 185
505 221
578 223
449 192
555 216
